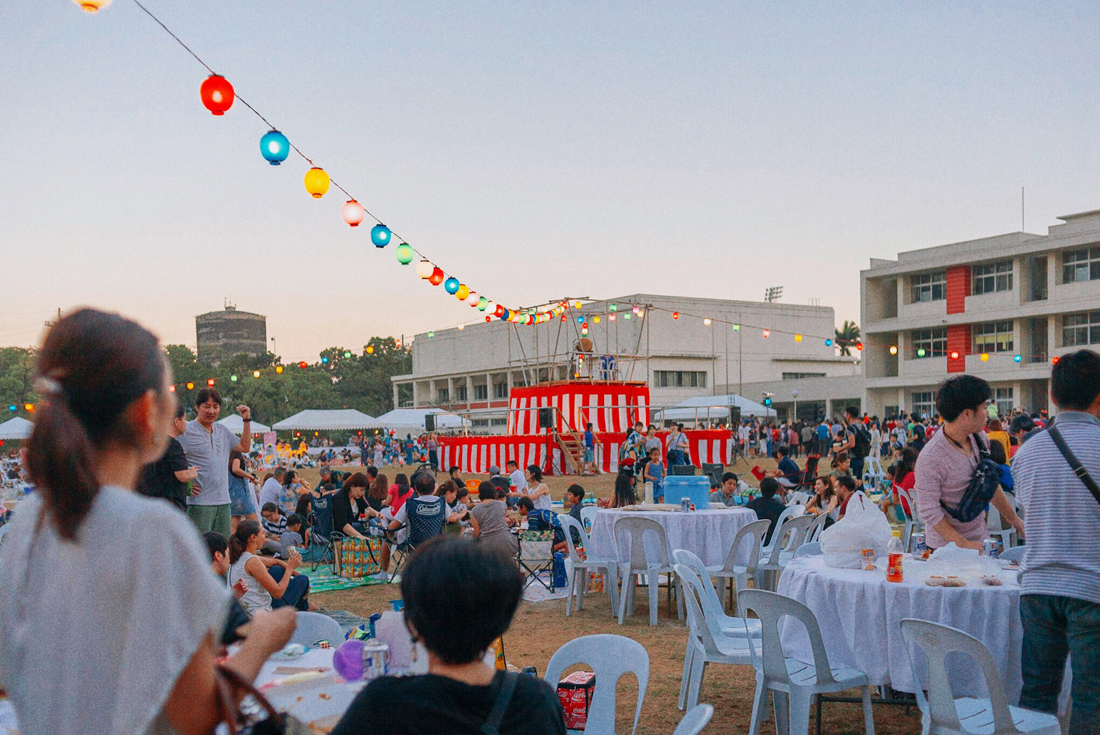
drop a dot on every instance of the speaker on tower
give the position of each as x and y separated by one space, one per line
429 422
546 418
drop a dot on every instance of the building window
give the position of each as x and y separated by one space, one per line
992 337
991 277
891 411
481 392
1081 265
680 378
460 393
928 343
797 376
442 395
1081 329
500 390
479 423
1003 399
499 422
929 286
924 404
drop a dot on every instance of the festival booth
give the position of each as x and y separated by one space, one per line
611 407
338 419
16 429
235 424
411 420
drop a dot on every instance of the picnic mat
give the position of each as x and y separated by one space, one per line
322 579
537 593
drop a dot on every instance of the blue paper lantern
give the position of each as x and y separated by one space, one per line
274 147
828 343
451 284
380 236
1018 358
506 315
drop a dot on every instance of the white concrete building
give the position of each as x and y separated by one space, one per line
1000 308
472 369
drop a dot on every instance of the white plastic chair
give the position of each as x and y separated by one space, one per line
588 516
913 524
312 627
578 575
810 548
793 683
993 528
813 533
873 474
798 497
1016 553
695 720
785 540
610 656
707 643
752 533
941 712
638 564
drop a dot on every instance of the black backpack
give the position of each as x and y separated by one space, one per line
863 441
983 485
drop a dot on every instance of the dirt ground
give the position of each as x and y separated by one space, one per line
539 629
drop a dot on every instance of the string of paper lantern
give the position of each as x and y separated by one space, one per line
218 95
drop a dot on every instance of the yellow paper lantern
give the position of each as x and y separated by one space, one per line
893 349
255 373
462 292
317 182
985 357
798 338
92 6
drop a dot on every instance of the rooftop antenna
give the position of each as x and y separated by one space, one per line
1022 227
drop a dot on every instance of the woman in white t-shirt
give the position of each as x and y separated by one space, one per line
109 615
538 490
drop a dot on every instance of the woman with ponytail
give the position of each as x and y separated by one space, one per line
271 583
105 590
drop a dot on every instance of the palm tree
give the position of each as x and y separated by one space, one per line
846 336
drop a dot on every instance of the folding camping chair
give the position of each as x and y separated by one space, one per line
425 521
321 534
536 555
715 472
683 469
809 474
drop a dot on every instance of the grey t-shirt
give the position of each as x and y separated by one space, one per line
209 450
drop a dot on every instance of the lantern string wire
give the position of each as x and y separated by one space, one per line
267 122
837 342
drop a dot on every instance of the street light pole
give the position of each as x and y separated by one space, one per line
795 394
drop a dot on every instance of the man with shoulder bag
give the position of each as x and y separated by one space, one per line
1056 475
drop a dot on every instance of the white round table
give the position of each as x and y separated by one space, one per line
859 614
322 700
706 533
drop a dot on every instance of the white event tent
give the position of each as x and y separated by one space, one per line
16 428
339 419
236 424
714 408
411 420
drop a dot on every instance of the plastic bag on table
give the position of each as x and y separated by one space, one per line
863 527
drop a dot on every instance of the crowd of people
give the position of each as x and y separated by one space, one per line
195 566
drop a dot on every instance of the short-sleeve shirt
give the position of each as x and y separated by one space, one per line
271 492
158 480
943 474
210 451
162 602
436 704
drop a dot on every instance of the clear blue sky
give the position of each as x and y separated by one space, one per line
535 150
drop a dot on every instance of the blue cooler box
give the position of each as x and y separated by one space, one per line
696 488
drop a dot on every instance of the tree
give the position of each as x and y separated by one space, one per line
846 337
16 380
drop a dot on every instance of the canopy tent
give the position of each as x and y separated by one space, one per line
236 424
412 420
16 428
339 419
713 408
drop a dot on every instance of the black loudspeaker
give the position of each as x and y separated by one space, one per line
546 418
735 416
429 422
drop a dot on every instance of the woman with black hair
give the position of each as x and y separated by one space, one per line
271 583
624 492
538 491
87 559
489 519
445 580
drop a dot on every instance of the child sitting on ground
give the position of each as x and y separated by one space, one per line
274 524
297 536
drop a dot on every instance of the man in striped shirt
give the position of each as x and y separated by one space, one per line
1060 582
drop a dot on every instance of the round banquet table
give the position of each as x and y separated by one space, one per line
320 701
859 614
706 533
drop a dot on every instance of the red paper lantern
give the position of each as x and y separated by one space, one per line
303 365
217 94
499 311
436 277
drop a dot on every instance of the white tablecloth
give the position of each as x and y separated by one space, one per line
316 699
860 613
707 533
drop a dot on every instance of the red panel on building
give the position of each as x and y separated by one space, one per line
958 288
958 341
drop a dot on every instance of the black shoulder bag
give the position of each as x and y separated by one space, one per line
983 486
1078 468
500 706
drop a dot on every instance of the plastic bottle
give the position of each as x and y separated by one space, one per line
893 558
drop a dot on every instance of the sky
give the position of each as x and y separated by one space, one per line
537 151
